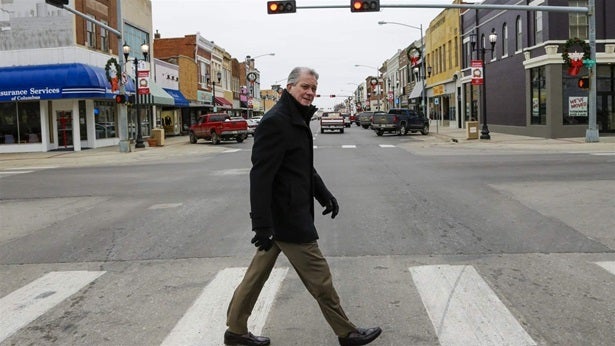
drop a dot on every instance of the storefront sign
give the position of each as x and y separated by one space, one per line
577 106
439 90
477 72
30 94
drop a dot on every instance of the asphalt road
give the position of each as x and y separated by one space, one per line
438 245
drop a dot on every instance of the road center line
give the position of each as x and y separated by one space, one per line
464 310
386 146
204 322
31 301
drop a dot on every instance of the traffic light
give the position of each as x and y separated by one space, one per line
364 5
277 7
583 83
57 3
120 98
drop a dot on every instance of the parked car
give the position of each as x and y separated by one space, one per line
217 127
365 119
354 119
400 121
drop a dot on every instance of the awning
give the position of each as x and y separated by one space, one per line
55 81
179 98
221 101
416 91
156 96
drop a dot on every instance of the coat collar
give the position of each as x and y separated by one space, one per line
300 114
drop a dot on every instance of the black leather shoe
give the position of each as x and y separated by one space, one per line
249 339
360 337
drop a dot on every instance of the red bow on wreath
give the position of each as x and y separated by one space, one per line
574 67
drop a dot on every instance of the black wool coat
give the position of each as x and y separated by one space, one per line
283 181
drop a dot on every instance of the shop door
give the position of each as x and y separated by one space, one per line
64 121
605 113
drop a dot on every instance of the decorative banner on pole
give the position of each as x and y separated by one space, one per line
143 82
477 72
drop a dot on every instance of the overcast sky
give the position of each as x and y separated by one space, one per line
330 40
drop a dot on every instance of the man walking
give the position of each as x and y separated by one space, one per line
283 185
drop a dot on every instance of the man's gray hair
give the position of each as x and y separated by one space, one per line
297 71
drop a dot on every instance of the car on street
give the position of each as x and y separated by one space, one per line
365 119
400 121
347 121
252 123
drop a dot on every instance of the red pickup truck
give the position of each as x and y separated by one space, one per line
217 127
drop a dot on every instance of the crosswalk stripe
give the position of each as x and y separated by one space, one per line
608 266
205 321
15 172
31 301
604 154
464 310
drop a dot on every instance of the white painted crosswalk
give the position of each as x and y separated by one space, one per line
464 310
462 307
29 302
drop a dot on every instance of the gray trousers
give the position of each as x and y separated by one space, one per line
312 268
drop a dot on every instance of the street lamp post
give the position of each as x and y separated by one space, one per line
420 27
373 81
213 92
493 37
250 64
144 50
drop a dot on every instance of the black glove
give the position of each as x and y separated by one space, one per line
331 207
263 240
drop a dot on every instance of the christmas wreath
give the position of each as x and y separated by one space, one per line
575 59
114 80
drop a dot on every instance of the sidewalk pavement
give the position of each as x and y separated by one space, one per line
180 145
458 137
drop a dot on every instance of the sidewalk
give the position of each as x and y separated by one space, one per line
174 146
458 137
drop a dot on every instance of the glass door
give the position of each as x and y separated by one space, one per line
64 121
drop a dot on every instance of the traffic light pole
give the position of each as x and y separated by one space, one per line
591 135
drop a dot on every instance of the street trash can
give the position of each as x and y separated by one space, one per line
158 135
472 129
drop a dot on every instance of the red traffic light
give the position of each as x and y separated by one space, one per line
276 7
120 99
364 5
583 83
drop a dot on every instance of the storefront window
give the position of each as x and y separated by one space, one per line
20 123
575 100
539 96
105 119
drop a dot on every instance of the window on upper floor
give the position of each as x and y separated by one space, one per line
578 23
538 27
104 39
519 35
90 34
504 40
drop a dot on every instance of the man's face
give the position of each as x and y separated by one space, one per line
304 90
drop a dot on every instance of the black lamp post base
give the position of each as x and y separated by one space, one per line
484 133
139 144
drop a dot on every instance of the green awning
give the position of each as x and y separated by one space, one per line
156 96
